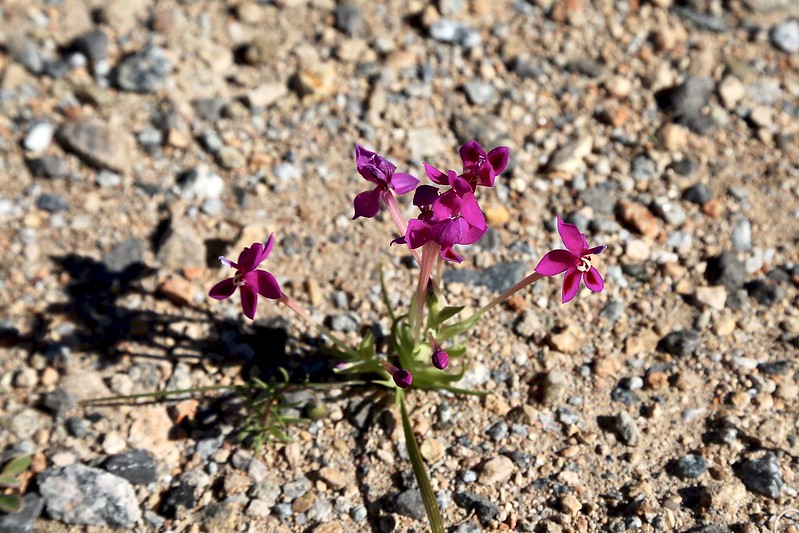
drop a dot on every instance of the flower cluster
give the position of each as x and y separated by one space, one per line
449 215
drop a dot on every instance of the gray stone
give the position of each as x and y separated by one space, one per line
585 66
680 343
625 427
687 100
727 270
344 322
765 292
98 144
349 18
294 489
137 466
690 466
698 194
22 521
484 509
684 167
93 45
181 247
762 476
144 72
52 203
358 513
498 431
26 52
612 311
643 167
128 252
702 20
407 503
47 166
230 158
671 212
38 137
480 93
209 109
600 197
77 427
785 36
78 494
59 401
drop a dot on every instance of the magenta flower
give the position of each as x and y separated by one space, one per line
448 219
481 168
379 171
575 260
250 281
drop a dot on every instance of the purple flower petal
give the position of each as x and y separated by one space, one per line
593 280
222 290
498 159
435 175
446 232
373 167
472 234
265 284
268 245
403 183
555 262
460 185
571 284
470 210
249 300
248 258
425 195
417 234
471 153
448 254
596 250
367 204
447 206
571 237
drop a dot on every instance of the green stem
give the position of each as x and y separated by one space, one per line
303 314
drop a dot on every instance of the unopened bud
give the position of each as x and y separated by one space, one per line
402 378
440 358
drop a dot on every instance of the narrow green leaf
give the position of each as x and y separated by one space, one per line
419 470
366 348
8 481
457 390
449 312
10 503
18 465
457 328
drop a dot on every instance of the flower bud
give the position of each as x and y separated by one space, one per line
440 358
402 378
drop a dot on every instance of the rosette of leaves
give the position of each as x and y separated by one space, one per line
12 502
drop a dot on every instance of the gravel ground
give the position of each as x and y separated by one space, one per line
141 139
